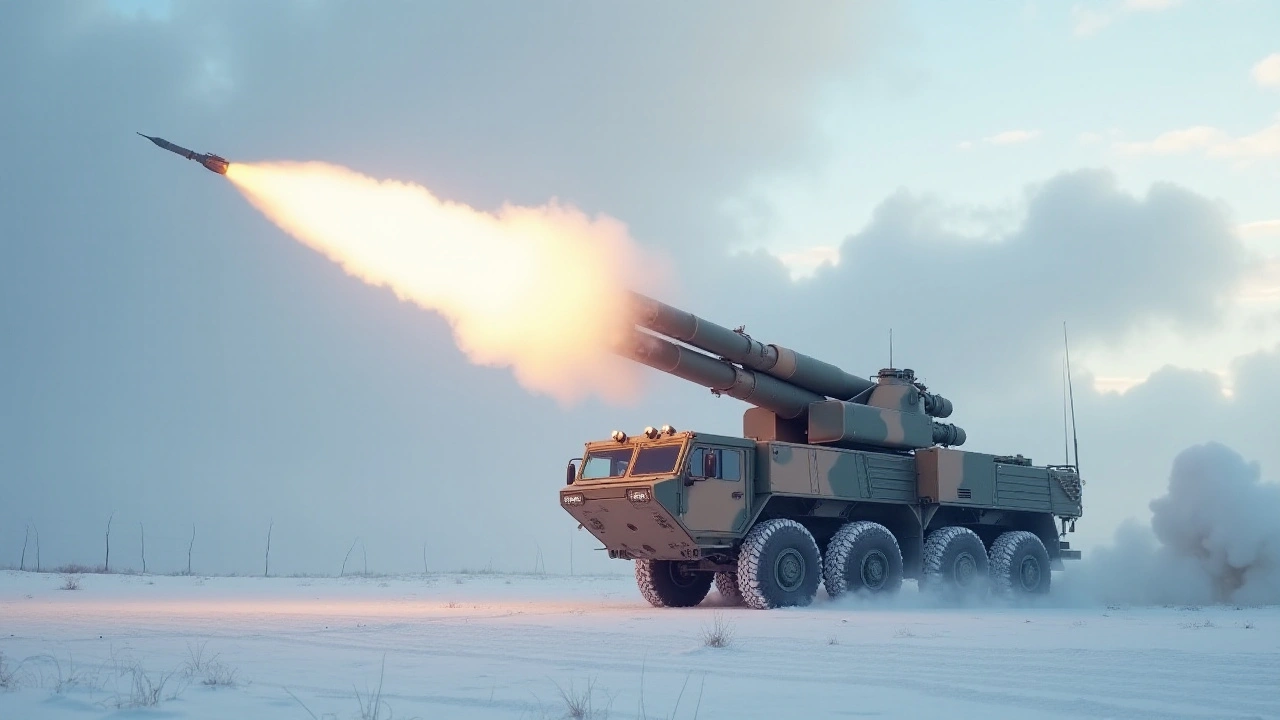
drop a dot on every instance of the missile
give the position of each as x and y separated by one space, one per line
213 162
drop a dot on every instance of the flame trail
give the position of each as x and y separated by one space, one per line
539 289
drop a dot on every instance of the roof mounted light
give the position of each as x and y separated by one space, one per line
651 432
619 436
668 430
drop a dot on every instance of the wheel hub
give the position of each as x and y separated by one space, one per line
1029 573
875 567
788 570
681 576
965 568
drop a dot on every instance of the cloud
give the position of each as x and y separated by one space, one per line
1261 229
1085 22
1267 72
1071 221
1262 285
1012 137
1149 5
803 263
1175 142
1211 142
1108 262
1089 21
1104 384
1008 137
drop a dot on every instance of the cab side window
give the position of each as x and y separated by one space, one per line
716 463
731 465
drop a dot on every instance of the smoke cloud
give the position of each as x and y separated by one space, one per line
1214 538
541 290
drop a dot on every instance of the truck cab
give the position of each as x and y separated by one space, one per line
664 495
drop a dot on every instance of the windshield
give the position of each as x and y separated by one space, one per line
660 459
606 463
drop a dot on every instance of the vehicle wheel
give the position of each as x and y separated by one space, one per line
727 586
778 565
862 556
1019 564
955 563
670 583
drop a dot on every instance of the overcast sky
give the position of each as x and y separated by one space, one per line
972 177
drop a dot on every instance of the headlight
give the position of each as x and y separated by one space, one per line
639 495
572 499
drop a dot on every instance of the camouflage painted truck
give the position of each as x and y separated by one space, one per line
838 480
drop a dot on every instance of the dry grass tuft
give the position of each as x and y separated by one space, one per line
210 671
719 635
581 706
7 681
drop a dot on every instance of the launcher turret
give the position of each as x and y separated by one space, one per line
795 397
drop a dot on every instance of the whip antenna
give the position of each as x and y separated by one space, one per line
1066 452
1071 395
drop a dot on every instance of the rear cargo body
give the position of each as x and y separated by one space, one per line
931 476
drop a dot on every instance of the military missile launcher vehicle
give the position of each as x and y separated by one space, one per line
837 480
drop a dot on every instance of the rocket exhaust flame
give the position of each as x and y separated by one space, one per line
542 290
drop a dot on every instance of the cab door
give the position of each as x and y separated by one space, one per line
717 490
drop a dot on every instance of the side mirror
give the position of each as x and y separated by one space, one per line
570 473
709 468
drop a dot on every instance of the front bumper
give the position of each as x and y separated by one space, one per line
630 529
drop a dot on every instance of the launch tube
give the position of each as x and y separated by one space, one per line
803 371
781 398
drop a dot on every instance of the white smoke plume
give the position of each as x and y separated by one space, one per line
1214 538
541 290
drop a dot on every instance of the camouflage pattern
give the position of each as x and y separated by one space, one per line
820 446
835 421
814 472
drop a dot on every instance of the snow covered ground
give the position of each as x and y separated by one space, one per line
495 646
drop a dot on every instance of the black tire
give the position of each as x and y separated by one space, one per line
670 583
727 586
955 564
862 557
779 565
1019 565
